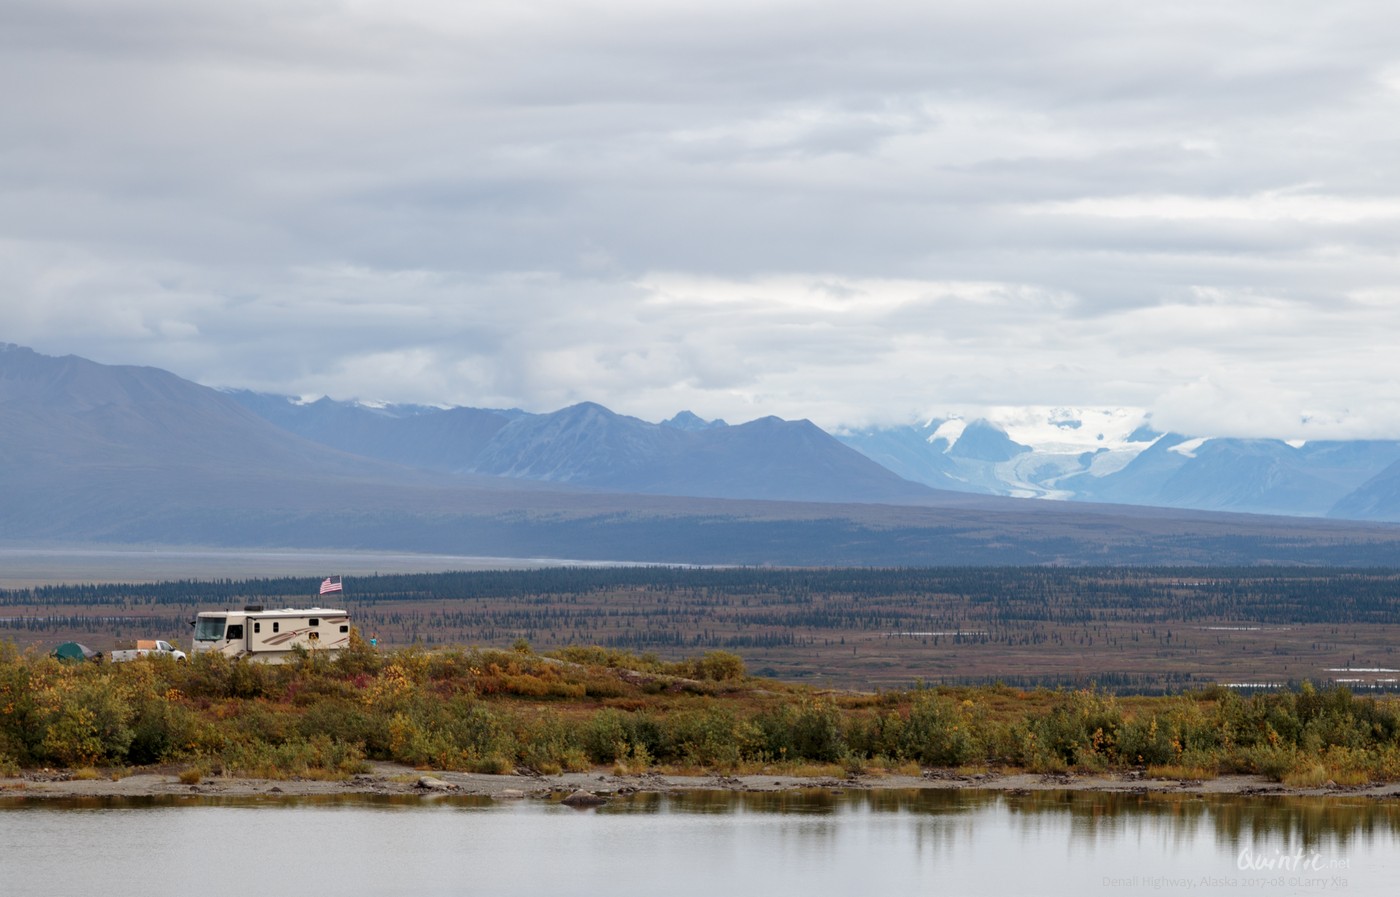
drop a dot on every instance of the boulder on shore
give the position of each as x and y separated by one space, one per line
583 798
432 783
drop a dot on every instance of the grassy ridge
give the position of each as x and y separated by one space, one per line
499 710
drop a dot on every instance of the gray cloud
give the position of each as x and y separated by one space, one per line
849 213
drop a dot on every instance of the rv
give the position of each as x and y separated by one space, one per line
271 636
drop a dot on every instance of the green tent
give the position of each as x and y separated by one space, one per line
72 652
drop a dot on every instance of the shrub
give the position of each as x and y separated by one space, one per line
207 675
340 720
816 731
543 743
876 735
700 737
161 730
85 720
938 732
359 658
718 666
262 722
604 736
459 733
1147 741
1080 729
17 723
248 680
1274 761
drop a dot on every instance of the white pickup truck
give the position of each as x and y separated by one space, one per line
133 650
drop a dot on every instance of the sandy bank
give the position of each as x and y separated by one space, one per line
391 779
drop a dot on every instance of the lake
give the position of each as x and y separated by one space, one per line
704 843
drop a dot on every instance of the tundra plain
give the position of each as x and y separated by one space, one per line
1128 630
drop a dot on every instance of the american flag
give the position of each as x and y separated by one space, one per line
330 584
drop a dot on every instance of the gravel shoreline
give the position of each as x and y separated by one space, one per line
392 779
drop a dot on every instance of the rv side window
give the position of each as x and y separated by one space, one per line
276 626
257 627
314 621
345 629
235 632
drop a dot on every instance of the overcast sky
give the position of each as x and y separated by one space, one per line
851 212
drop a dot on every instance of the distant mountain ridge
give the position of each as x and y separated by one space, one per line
1113 459
73 412
113 454
589 445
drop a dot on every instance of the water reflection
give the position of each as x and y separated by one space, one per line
1087 816
797 842
946 821
270 801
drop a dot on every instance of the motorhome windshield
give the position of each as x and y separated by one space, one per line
209 629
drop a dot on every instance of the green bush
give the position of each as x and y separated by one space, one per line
545 743
249 680
817 731
703 737
1081 729
453 734
938 732
1271 761
718 666
85 721
811 729
18 727
162 730
359 658
604 735
1147 741
341 720
876 735
207 675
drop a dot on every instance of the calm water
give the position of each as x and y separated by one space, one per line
857 843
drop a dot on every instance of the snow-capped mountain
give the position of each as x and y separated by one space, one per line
1114 455
1020 452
